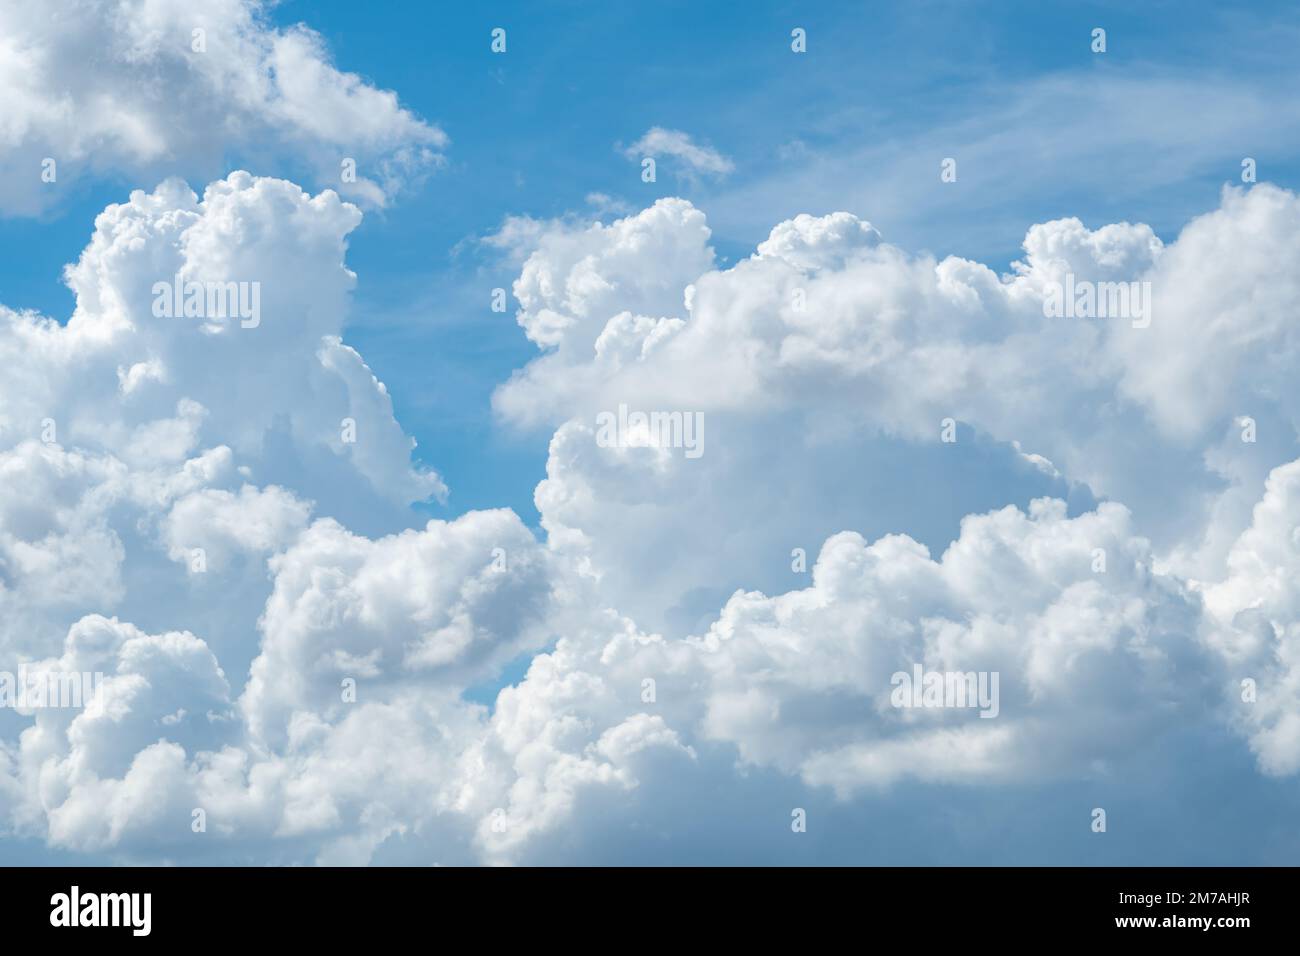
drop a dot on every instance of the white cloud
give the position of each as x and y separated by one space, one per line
1252 621
822 427
695 158
801 681
208 376
438 608
832 350
809 406
118 86
218 521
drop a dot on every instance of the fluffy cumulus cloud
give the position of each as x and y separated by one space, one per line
173 490
143 86
362 641
800 682
445 606
829 352
1252 620
823 371
208 317
145 456
869 462
803 681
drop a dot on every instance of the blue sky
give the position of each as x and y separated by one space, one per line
1121 694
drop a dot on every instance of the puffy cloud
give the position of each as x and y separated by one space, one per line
1252 621
578 277
67 518
105 774
1090 662
829 340
616 512
445 606
122 378
810 242
822 430
133 86
57 550
292 767
220 522
129 441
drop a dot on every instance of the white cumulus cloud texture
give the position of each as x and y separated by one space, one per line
314 686
145 87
